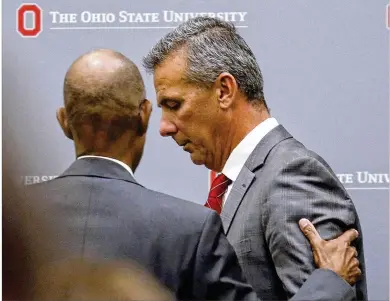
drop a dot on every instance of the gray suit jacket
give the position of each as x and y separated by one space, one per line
280 183
99 211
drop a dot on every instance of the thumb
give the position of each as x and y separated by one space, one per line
349 236
310 232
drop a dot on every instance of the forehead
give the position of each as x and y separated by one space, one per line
170 74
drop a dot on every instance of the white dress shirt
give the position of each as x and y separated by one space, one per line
127 167
244 149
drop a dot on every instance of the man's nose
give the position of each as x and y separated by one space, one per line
167 128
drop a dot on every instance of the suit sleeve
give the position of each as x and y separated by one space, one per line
219 276
325 285
217 270
305 187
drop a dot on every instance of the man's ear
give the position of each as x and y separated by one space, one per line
145 113
226 89
63 121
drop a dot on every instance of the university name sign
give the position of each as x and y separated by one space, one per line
358 180
29 19
364 177
166 16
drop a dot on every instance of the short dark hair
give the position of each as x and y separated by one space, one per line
102 111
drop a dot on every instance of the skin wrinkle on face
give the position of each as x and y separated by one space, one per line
191 113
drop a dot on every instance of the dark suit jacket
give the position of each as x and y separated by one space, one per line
281 182
108 215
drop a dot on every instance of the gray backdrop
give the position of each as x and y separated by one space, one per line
325 66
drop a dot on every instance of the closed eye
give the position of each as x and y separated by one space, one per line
171 104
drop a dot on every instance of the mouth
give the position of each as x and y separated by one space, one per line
186 148
183 144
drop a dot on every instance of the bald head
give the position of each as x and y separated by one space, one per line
103 90
105 72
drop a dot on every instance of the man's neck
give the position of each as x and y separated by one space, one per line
126 166
120 150
245 121
125 157
106 155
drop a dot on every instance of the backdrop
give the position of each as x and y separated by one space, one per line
325 67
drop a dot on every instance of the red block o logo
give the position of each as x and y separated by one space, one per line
20 20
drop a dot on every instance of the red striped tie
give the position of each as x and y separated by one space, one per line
217 190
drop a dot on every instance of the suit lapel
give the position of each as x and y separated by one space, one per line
259 155
240 187
247 175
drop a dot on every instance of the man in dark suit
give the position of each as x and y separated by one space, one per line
107 214
210 89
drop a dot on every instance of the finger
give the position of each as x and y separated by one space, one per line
356 273
352 280
355 253
349 236
310 232
351 252
354 276
355 262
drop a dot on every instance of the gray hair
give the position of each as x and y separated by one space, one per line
213 46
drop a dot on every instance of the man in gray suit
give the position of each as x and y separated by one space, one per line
210 89
107 214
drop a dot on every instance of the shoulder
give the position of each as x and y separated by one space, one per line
292 151
289 162
180 208
127 199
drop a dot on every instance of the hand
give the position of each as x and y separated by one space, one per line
336 255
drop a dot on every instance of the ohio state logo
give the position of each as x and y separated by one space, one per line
21 27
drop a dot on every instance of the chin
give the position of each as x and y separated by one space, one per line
196 160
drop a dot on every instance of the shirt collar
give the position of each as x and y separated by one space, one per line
243 150
110 159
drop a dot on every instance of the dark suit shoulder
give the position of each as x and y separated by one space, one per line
178 209
126 200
